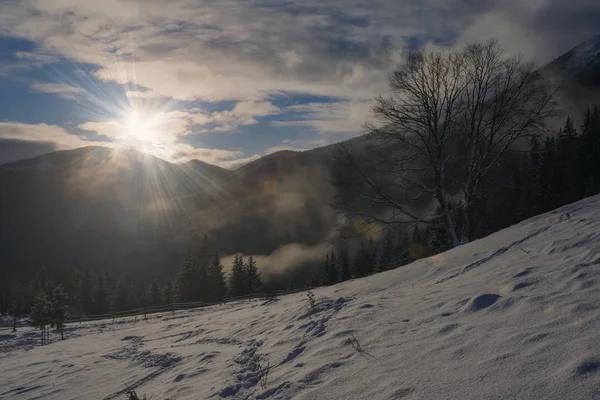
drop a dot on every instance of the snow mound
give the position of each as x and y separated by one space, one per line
515 315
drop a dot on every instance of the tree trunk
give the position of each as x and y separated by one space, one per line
447 218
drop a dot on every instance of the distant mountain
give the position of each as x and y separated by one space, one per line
577 72
129 211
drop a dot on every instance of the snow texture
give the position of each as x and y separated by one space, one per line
515 315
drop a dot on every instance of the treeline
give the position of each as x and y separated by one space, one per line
545 174
200 279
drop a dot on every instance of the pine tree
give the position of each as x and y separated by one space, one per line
40 316
436 238
216 278
5 290
332 271
324 275
17 308
201 282
360 267
58 309
168 294
123 298
154 294
387 260
237 280
416 249
400 249
86 291
253 279
101 297
186 287
345 273
41 283
371 257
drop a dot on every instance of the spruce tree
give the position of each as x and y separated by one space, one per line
325 273
41 283
345 272
58 309
154 294
386 260
201 282
86 292
5 290
401 249
332 271
216 278
361 259
40 315
253 279
371 257
123 298
101 297
187 284
237 280
168 293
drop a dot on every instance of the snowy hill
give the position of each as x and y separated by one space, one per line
513 316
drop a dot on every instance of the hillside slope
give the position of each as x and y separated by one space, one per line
514 315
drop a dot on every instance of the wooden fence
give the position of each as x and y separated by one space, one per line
145 311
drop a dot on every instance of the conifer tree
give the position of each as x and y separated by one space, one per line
5 290
86 292
332 271
186 287
58 309
123 298
216 277
345 272
325 274
154 294
254 282
386 259
237 280
41 283
101 302
401 249
201 282
168 294
40 315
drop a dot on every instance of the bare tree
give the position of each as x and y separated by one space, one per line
505 100
450 116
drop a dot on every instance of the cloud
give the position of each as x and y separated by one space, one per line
251 52
236 163
540 29
333 117
62 89
243 113
55 135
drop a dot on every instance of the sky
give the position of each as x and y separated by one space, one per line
228 81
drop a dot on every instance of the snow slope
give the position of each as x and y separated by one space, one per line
513 316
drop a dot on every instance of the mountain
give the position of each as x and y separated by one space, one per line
129 211
101 207
514 315
124 210
577 74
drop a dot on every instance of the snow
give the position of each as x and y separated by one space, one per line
583 55
515 315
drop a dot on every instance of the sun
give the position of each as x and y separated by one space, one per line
139 131
135 127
